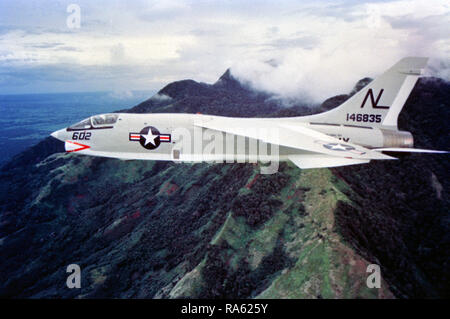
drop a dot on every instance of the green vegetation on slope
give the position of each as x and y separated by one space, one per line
161 230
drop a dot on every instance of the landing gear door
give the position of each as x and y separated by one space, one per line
176 153
181 141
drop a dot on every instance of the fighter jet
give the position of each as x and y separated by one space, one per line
362 129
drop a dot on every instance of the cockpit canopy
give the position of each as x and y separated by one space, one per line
104 119
96 121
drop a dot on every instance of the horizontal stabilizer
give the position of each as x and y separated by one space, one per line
408 150
318 161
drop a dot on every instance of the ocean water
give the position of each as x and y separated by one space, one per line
26 119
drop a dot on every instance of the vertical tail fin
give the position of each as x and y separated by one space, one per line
379 103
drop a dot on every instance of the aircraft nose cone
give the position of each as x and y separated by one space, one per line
58 134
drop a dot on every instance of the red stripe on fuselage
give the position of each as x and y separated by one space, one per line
83 147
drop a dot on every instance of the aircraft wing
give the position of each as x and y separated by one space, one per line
318 160
294 136
408 150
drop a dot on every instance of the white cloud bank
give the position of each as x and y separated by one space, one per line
365 41
310 49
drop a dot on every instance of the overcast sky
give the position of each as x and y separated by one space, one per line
313 49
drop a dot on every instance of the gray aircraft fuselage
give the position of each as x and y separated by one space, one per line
114 140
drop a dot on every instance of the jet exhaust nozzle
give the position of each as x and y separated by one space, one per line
397 138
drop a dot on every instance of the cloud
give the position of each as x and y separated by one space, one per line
307 42
118 54
161 97
345 50
44 45
308 50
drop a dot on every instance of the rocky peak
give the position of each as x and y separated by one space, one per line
184 88
229 82
360 84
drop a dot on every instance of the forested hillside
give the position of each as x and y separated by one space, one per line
143 229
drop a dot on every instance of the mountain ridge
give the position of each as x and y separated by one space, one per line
161 230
